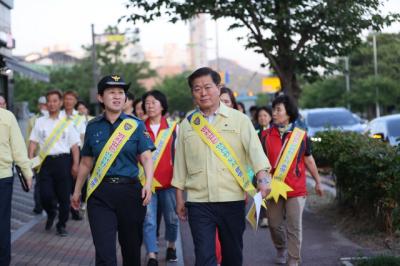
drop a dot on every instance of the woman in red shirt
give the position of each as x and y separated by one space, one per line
155 107
287 237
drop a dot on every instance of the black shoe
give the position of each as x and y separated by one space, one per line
49 222
37 210
152 262
171 255
75 215
62 232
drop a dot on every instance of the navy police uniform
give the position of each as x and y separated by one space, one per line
116 205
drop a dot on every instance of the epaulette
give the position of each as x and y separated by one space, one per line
97 118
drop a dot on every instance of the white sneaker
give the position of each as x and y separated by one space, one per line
281 256
264 222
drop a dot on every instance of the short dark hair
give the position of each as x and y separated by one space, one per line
135 102
159 97
130 96
81 103
263 108
70 92
231 96
204 71
55 92
290 106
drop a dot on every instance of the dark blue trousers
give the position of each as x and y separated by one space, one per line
229 218
6 188
112 209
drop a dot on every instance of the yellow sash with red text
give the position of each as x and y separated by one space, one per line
278 185
109 153
161 144
222 150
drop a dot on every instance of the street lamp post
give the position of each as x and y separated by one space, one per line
378 113
347 76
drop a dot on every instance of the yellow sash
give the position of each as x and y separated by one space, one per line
49 142
222 150
278 185
109 152
77 120
160 143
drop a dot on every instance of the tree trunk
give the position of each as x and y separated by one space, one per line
289 85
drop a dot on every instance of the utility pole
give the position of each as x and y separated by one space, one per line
347 76
378 112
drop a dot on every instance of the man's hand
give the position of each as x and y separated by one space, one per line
74 170
181 210
76 201
318 189
146 194
264 189
29 183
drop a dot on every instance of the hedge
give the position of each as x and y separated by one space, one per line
367 174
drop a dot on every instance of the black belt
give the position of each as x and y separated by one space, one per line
57 155
120 180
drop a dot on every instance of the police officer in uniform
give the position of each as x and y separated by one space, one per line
118 202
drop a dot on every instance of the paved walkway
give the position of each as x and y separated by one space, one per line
32 245
40 247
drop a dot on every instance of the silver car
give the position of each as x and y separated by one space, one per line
386 128
337 118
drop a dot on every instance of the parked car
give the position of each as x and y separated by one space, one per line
338 118
386 128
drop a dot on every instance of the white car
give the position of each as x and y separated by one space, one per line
386 128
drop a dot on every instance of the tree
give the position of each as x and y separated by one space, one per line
296 37
330 91
177 91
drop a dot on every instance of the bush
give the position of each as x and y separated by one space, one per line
367 173
380 261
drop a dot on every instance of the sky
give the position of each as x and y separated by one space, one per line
45 23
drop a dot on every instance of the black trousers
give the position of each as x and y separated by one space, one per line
229 218
6 188
116 208
36 194
55 186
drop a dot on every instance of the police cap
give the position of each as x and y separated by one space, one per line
112 81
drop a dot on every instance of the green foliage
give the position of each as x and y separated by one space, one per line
367 172
178 92
263 99
28 90
331 91
380 261
296 37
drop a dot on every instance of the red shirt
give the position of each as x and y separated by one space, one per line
296 177
164 170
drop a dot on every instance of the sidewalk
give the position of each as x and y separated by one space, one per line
39 247
323 245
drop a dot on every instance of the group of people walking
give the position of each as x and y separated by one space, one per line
131 165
